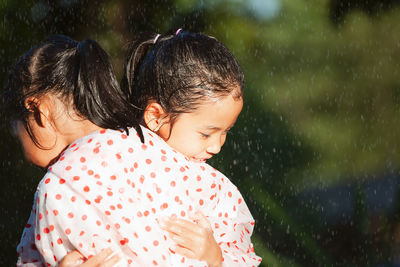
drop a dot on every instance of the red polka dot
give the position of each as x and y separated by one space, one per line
82 159
84 217
148 228
173 183
51 227
201 202
47 181
86 188
76 178
67 231
130 150
113 177
59 241
148 161
62 181
155 243
68 168
123 136
164 206
46 230
55 212
90 172
58 196
70 215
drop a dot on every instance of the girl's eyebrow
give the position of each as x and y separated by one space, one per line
215 128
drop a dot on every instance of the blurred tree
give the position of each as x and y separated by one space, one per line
322 108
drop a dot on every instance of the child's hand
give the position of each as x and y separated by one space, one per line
75 259
194 239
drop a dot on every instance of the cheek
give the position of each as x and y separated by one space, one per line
223 139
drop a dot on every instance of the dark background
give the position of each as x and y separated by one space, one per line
315 151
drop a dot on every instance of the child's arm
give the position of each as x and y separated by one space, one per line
194 239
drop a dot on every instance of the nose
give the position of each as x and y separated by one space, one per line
215 145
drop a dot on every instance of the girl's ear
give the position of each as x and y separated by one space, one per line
40 109
154 116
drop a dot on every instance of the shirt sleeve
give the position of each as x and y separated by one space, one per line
27 253
233 225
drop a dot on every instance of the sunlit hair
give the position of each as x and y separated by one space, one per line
78 73
180 72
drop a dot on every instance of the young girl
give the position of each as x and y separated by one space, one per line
52 99
101 178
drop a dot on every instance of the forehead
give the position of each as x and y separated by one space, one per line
220 113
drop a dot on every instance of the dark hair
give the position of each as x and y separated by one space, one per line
79 73
179 71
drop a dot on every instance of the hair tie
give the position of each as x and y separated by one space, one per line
178 31
156 38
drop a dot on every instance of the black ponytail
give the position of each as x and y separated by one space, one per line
77 73
97 94
137 52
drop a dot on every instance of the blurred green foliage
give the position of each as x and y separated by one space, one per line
322 109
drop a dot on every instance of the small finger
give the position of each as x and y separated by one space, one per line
184 252
201 219
72 259
178 226
99 258
111 261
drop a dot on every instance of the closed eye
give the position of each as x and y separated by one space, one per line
205 136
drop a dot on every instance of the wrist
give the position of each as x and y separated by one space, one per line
217 262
